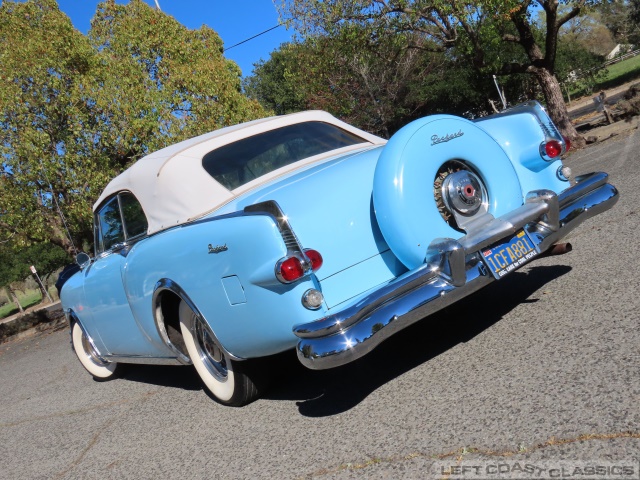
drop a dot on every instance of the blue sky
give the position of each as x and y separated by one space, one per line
234 21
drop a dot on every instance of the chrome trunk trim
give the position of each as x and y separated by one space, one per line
452 270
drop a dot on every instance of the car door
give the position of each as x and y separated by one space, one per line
119 224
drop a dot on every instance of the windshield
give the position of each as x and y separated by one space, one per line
240 162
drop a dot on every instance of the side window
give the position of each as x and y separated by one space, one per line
119 220
111 229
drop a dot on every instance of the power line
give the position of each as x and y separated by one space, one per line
64 221
251 38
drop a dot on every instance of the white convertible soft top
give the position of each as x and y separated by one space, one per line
173 187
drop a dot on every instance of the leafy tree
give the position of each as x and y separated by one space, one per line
588 32
472 27
15 265
76 110
634 14
274 82
622 18
46 135
168 82
363 79
575 63
378 83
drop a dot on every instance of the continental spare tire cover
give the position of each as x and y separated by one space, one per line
405 191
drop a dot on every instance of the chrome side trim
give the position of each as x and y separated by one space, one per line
452 270
168 284
294 248
271 208
144 360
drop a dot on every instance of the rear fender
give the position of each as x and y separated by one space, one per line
225 266
521 131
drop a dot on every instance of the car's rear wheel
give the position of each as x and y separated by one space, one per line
89 357
233 383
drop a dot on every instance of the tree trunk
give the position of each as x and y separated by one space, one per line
14 297
43 291
557 108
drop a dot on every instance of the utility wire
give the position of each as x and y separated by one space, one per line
251 38
64 221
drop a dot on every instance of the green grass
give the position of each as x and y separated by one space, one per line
28 299
616 74
620 73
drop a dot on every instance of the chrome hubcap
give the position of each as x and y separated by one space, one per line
463 192
460 194
209 351
91 353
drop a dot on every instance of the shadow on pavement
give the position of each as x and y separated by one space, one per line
330 392
163 375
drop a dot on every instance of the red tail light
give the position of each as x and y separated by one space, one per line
553 148
289 270
315 258
567 144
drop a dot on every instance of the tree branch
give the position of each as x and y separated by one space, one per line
544 4
507 37
509 68
575 11
10 228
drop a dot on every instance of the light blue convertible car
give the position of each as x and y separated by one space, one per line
301 231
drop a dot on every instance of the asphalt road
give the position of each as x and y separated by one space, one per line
543 366
589 107
584 106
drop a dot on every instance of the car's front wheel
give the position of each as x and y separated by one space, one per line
231 382
89 357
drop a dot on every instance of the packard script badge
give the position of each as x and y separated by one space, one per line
218 248
435 139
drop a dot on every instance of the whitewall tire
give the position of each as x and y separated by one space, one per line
89 358
231 382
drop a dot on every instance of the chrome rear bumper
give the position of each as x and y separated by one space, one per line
452 270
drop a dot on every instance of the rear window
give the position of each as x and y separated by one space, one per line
240 162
